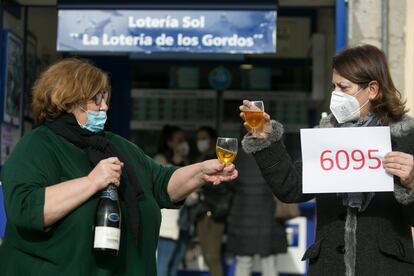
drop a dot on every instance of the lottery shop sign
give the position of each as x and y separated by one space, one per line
148 31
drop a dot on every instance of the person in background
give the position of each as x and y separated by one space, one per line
252 228
213 207
53 180
357 233
173 151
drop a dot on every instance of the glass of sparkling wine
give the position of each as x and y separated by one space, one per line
254 115
226 149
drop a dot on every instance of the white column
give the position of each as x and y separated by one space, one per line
409 57
365 25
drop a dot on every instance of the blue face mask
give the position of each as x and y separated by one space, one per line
96 121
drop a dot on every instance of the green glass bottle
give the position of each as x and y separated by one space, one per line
108 223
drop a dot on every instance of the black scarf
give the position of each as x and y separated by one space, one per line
98 147
360 200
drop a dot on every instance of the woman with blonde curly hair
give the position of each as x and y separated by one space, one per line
357 233
53 178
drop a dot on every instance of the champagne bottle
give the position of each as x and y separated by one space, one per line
108 222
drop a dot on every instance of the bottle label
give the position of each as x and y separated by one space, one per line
107 237
111 194
114 217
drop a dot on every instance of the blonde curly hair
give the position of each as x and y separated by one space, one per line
65 85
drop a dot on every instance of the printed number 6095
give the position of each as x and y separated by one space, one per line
343 160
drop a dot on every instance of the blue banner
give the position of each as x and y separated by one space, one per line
196 31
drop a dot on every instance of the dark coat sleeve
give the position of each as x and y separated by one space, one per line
283 176
407 202
406 199
409 214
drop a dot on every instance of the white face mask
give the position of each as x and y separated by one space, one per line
203 145
345 107
183 148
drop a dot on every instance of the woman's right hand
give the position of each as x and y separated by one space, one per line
262 132
107 171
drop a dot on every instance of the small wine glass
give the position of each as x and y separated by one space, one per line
226 150
254 116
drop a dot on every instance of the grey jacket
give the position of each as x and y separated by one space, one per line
251 227
383 243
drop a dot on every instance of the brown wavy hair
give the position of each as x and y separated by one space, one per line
366 63
64 85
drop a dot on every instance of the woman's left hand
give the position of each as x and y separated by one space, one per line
215 172
400 164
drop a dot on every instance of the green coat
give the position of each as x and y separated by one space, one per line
42 159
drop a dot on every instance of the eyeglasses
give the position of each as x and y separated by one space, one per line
101 96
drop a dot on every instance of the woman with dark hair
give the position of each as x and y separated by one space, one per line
357 233
173 150
54 178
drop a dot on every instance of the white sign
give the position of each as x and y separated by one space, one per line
291 261
344 160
